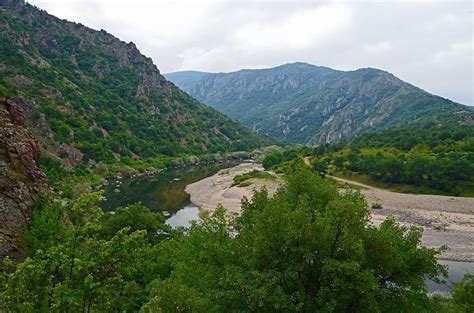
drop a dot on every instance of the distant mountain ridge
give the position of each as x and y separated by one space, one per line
311 104
91 97
187 79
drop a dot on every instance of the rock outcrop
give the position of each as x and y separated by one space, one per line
89 96
20 178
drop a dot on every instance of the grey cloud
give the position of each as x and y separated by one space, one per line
427 43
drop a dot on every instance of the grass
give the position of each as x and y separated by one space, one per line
243 180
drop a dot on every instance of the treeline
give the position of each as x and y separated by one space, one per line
420 168
425 158
308 248
431 134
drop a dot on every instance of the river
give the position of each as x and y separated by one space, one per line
164 191
456 271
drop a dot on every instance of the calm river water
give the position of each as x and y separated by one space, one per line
164 191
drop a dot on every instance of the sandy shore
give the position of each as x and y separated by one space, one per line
211 191
445 220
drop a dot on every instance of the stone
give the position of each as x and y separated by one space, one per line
20 178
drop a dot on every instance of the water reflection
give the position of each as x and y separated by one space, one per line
456 272
163 191
183 217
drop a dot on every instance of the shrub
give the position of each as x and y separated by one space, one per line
377 206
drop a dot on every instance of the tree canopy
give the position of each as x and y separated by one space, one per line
307 248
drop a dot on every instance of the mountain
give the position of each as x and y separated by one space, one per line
186 79
89 96
310 104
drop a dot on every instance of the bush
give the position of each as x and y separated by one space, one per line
242 180
377 206
463 293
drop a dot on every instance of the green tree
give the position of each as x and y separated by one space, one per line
308 248
82 271
320 166
135 217
48 227
463 293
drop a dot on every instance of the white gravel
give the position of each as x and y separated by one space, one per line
445 220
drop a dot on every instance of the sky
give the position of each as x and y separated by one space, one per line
427 43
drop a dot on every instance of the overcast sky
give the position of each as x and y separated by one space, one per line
427 43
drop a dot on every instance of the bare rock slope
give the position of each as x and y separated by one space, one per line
20 178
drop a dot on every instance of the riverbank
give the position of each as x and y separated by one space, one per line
209 192
445 220
128 172
161 191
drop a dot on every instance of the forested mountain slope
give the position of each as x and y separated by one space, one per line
312 105
90 96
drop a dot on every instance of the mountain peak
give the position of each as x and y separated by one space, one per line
312 104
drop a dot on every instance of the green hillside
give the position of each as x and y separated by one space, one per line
309 104
91 97
423 157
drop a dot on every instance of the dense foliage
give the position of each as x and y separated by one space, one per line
308 248
276 159
463 293
461 299
435 136
423 157
89 90
427 157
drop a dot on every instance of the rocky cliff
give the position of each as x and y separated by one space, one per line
20 178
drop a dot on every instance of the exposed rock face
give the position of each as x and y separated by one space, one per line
20 178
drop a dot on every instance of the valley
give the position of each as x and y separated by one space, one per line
292 188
